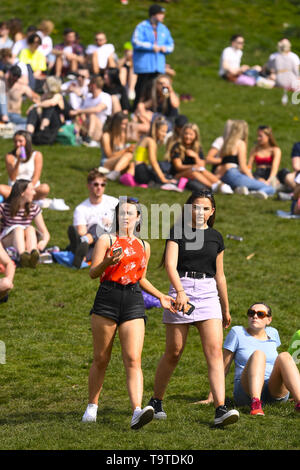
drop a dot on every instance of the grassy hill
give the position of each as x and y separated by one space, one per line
45 324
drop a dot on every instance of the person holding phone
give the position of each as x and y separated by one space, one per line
193 259
120 259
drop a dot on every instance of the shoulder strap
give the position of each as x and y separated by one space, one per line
110 240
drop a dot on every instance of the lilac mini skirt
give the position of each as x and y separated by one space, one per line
203 294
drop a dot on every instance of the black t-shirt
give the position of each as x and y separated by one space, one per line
121 93
208 244
169 111
175 153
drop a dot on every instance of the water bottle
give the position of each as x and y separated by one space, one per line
234 237
22 153
285 98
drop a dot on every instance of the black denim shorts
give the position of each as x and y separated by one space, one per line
118 302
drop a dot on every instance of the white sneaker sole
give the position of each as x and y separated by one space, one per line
89 419
230 417
160 416
144 417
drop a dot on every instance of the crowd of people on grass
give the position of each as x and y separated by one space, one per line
128 109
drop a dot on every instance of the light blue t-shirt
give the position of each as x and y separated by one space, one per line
240 342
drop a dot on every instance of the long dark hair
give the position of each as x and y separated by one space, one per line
113 126
15 197
28 144
196 195
113 75
127 200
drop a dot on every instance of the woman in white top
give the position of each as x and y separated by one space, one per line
28 168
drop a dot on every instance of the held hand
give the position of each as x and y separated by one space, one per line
226 319
181 301
130 148
168 303
114 259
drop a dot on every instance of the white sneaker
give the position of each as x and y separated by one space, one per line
44 203
141 417
103 170
285 196
90 414
113 175
59 205
259 194
92 143
226 189
131 94
242 190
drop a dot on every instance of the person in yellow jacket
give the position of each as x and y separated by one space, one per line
33 57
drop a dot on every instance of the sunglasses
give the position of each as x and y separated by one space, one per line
260 314
99 184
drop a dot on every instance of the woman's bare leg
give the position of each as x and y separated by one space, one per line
176 336
131 334
103 330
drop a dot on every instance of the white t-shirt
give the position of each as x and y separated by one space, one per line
19 46
23 67
218 143
297 179
47 44
232 57
25 171
103 54
295 58
76 101
102 214
103 98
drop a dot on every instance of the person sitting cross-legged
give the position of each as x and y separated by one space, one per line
91 218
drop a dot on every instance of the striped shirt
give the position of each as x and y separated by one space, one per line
20 218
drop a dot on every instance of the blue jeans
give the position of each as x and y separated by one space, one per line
17 118
235 178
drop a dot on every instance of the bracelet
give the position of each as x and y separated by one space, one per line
182 290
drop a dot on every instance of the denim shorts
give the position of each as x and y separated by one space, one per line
241 398
119 302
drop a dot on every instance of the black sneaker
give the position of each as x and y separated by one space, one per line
80 253
159 412
74 238
223 417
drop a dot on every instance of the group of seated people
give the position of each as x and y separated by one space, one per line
97 100
47 75
280 70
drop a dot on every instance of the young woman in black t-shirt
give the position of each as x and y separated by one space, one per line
194 263
187 160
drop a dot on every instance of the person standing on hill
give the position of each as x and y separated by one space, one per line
151 42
